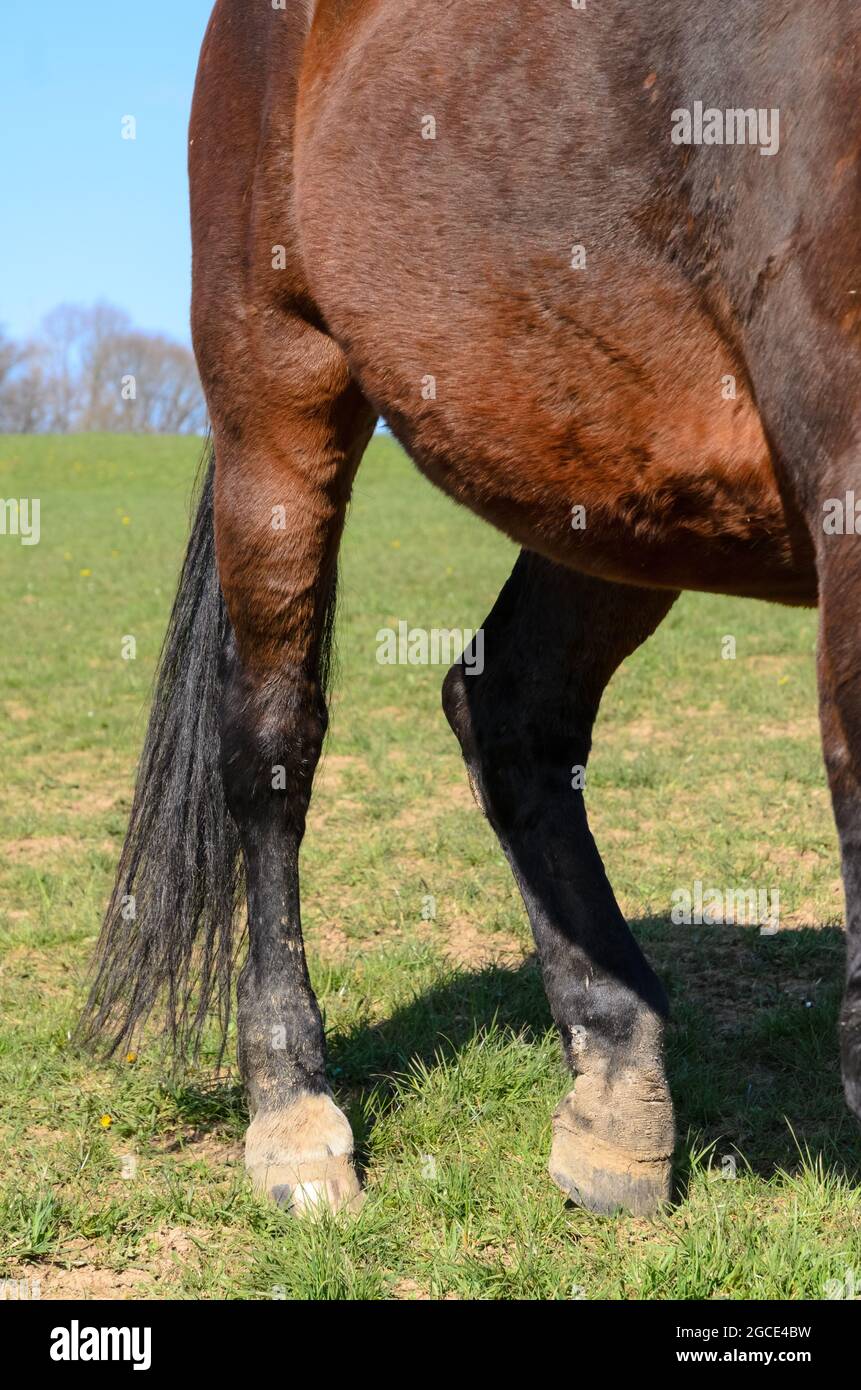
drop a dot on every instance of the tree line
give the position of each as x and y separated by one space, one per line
89 368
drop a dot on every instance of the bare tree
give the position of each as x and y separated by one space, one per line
23 388
90 369
152 387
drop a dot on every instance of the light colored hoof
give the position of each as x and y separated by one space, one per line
302 1158
616 1155
340 1192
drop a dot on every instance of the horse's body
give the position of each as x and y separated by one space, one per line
640 359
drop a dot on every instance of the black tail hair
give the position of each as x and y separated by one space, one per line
169 924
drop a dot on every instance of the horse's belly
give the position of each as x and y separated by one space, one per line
499 299
619 438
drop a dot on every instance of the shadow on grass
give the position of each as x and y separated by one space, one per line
751 1050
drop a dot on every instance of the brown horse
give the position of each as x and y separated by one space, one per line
597 265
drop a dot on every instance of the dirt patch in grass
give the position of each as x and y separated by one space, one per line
808 913
393 714
330 774
443 798
44 850
465 943
83 1281
409 1290
90 1283
39 848
174 1247
78 1275
329 942
791 728
93 803
642 731
203 1147
80 766
19 714
767 663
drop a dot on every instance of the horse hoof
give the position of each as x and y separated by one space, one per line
607 1180
626 1168
301 1158
338 1191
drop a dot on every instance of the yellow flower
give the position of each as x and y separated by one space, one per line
131 1056
127 521
106 1122
85 574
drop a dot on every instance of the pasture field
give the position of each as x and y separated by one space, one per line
120 1182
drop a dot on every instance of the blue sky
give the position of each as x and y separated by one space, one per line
87 214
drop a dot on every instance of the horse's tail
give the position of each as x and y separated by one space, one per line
169 924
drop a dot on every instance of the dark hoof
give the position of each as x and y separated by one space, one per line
631 1171
607 1183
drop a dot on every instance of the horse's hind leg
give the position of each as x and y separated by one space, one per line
551 643
840 718
285 463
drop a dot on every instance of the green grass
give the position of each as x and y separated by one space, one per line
439 1035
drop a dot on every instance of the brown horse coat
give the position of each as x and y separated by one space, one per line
518 231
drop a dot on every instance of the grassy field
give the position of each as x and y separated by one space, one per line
119 1183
